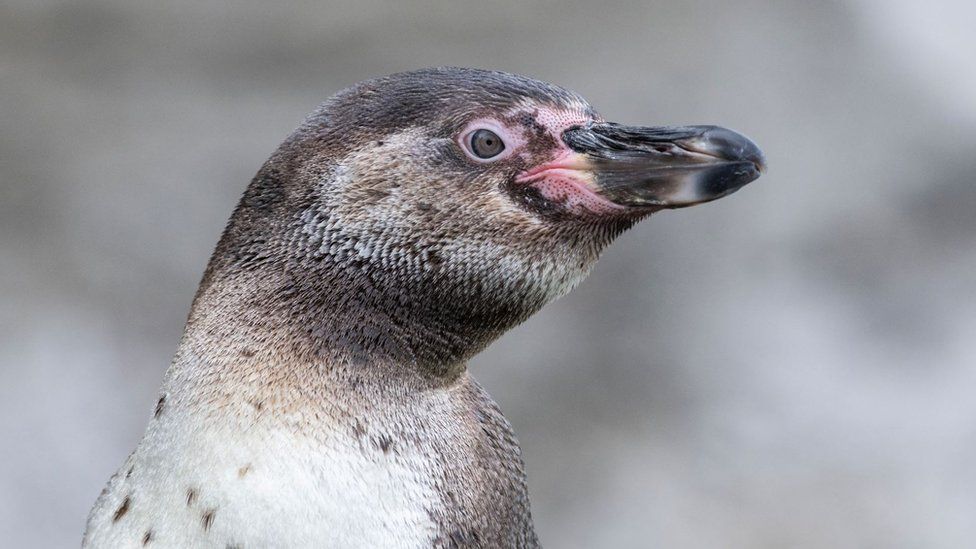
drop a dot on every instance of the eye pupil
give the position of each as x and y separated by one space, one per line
486 144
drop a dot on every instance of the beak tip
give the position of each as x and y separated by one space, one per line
728 145
759 161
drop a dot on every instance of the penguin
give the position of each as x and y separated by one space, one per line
319 396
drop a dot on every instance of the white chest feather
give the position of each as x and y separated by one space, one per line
192 483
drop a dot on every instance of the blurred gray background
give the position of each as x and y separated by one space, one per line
792 366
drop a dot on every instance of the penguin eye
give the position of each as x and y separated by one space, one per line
485 144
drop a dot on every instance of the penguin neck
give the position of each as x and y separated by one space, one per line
331 325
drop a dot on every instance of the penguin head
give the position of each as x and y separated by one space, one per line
463 200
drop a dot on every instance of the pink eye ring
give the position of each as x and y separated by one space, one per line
487 140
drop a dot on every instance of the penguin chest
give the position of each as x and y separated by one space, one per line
269 488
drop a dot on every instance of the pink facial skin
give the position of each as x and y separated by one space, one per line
563 179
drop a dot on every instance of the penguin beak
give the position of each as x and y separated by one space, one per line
661 167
